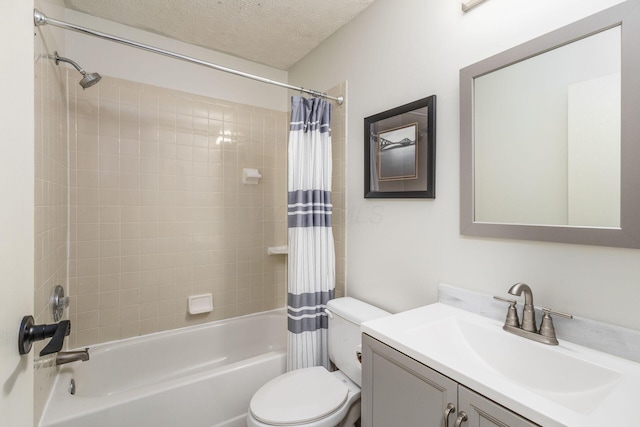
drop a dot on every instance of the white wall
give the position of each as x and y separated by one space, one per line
16 208
116 60
398 51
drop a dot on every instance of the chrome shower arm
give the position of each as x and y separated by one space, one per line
59 58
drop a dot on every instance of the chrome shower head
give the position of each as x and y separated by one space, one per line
87 80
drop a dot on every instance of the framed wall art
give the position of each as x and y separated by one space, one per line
400 151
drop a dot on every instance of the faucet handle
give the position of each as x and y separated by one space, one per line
512 313
510 301
547 311
546 327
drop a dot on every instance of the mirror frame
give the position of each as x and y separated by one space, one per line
627 15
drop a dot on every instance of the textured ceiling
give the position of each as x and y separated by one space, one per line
277 33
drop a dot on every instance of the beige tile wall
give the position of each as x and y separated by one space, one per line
51 200
159 212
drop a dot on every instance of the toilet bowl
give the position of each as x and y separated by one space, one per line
315 397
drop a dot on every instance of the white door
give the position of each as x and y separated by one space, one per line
16 208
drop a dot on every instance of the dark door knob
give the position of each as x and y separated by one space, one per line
29 333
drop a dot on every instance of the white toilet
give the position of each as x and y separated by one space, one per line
315 397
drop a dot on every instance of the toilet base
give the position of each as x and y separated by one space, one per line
352 416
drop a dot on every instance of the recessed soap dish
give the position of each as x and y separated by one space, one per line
199 304
250 176
278 250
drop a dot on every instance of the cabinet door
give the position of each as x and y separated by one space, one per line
482 412
399 391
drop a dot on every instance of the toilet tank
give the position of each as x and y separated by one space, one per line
347 314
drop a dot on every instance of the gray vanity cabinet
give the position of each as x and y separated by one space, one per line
483 412
400 391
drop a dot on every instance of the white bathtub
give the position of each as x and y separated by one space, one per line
202 375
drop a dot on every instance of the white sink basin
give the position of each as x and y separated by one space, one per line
566 379
564 385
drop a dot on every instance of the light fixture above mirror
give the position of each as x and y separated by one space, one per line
527 114
469 4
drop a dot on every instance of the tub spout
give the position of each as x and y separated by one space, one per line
71 356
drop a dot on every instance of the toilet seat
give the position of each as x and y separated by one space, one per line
299 397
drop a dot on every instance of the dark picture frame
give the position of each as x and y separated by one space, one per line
400 151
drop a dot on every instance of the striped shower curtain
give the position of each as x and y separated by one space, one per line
311 280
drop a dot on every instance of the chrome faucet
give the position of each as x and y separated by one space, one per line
63 357
528 329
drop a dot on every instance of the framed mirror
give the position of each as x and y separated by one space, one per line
550 136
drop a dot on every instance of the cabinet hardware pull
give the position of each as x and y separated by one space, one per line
462 417
448 410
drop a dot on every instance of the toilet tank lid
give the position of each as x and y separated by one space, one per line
354 310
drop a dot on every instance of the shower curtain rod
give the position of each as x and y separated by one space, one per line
40 19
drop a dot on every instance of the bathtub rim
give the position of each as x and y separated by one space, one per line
282 311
